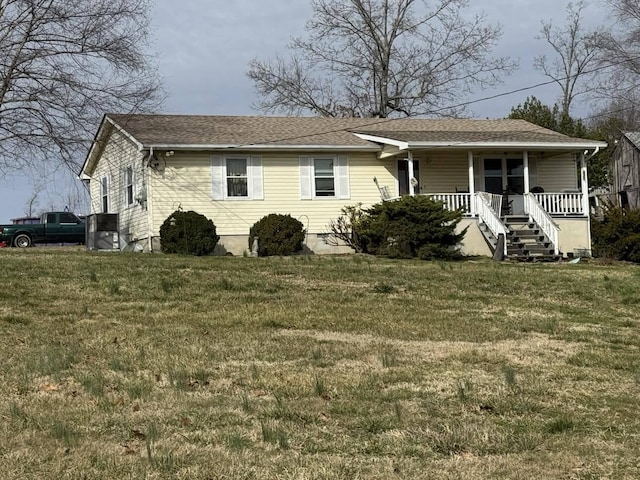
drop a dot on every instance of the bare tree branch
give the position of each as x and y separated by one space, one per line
65 63
576 52
380 58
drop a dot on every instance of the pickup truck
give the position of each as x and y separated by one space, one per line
54 227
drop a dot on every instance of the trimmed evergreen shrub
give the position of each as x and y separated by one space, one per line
410 227
617 235
188 233
277 235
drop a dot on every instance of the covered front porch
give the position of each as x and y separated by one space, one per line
540 189
493 170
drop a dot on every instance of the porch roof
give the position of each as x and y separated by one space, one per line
509 134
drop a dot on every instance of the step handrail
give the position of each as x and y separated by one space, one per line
490 217
539 215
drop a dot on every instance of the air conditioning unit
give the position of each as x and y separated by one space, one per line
102 231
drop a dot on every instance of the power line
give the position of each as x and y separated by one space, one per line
380 121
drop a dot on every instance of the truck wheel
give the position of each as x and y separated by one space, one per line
22 241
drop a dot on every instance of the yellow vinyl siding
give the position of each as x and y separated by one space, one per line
443 172
186 183
120 153
556 174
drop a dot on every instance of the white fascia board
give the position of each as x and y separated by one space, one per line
100 136
387 141
295 148
511 145
83 175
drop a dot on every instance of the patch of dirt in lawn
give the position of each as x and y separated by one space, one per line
533 349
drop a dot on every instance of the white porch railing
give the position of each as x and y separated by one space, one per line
561 203
495 201
454 201
490 217
538 213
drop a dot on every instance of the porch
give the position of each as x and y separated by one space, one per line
521 197
531 231
561 204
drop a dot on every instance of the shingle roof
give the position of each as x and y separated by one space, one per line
634 137
226 130
185 130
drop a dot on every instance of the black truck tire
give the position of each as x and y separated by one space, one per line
22 240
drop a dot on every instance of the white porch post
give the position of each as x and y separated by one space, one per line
525 162
412 188
472 186
584 183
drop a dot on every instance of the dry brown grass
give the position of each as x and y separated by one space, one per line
138 366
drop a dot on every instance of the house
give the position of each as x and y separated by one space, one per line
625 171
511 178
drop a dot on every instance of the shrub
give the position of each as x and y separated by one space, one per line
346 228
188 233
277 235
617 235
410 227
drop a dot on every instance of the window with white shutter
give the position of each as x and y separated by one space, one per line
324 177
236 177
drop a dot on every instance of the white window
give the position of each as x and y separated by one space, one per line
324 177
236 174
104 194
504 175
236 177
128 186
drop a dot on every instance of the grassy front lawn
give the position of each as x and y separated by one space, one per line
152 366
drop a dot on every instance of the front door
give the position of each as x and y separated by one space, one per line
505 176
403 177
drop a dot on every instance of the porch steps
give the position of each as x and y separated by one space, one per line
526 241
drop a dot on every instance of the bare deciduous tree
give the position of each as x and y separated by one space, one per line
64 63
576 52
380 58
621 52
32 202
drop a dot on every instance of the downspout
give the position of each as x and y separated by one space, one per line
149 203
583 178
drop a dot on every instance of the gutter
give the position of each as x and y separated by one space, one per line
595 152
294 148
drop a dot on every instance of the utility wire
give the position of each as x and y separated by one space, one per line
380 121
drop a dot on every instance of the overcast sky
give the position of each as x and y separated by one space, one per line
203 48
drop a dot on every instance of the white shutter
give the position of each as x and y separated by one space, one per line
306 177
122 188
342 180
217 178
109 194
255 177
